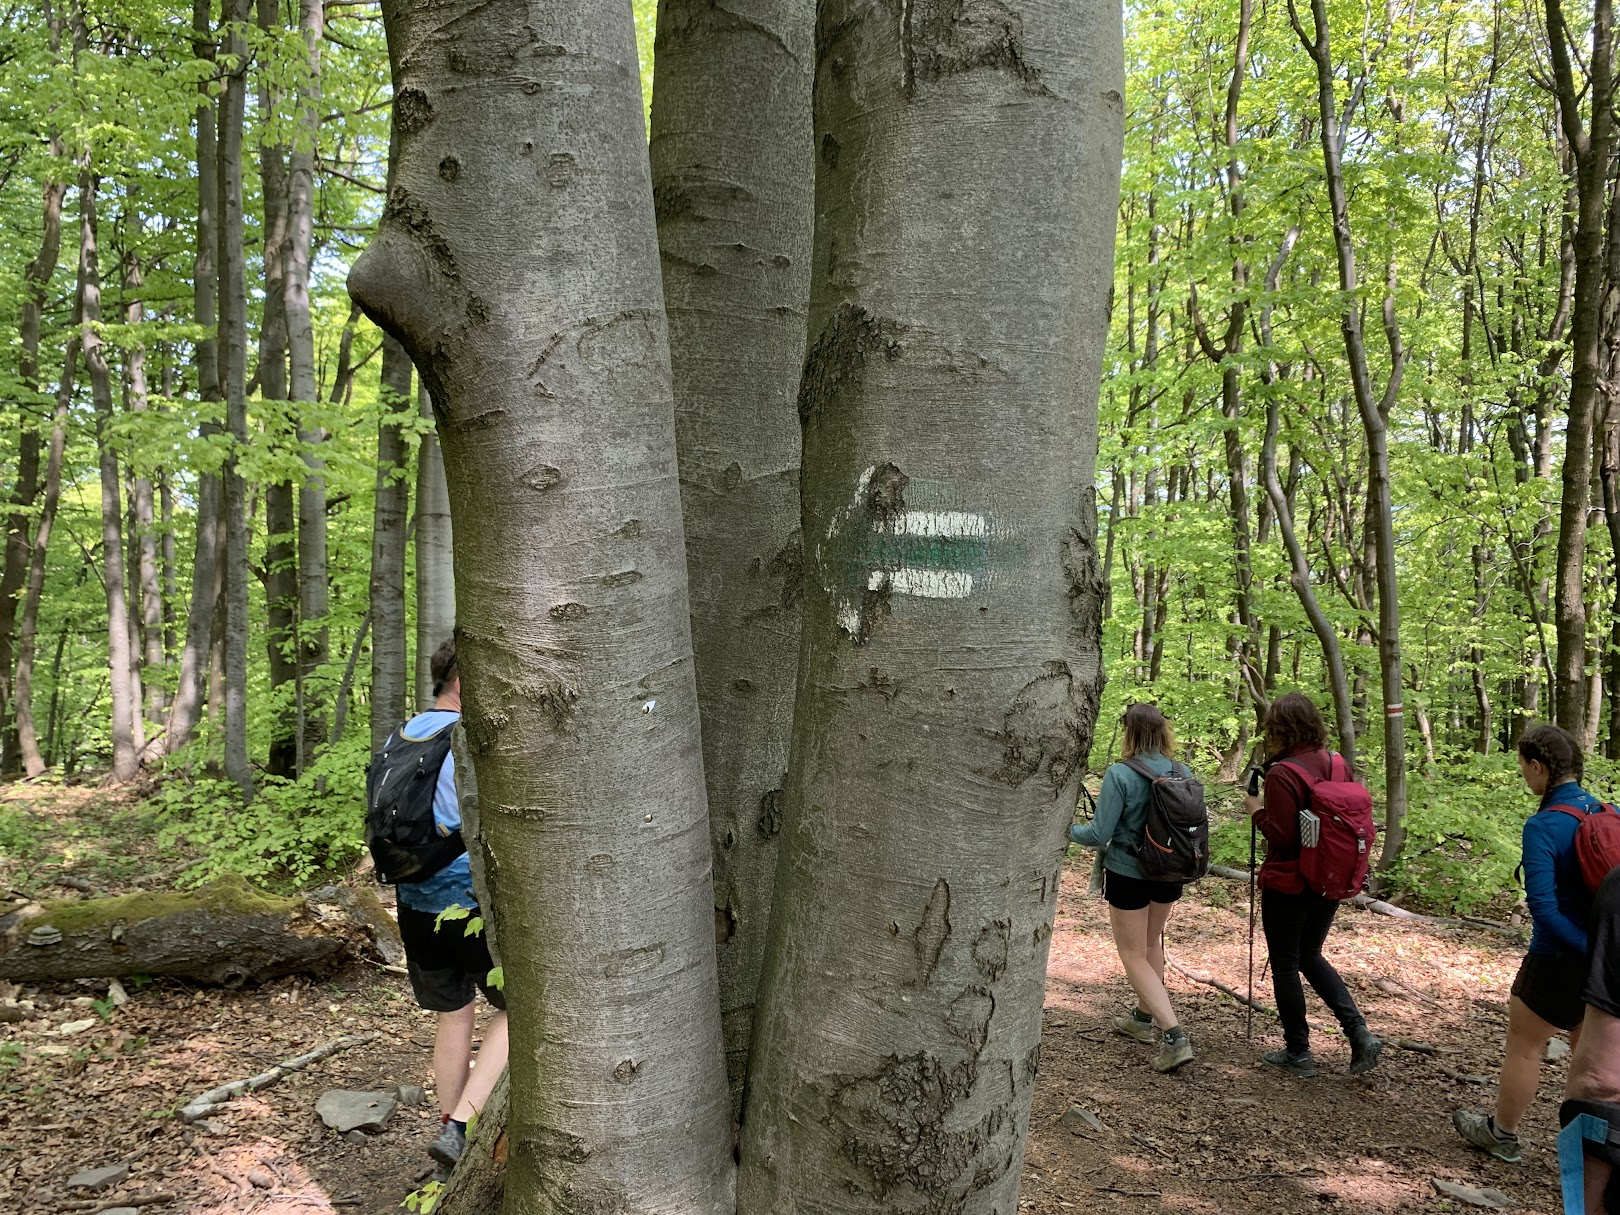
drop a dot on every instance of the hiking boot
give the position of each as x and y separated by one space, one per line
1481 1131
1174 1050
1302 1065
1137 1024
447 1148
1365 1050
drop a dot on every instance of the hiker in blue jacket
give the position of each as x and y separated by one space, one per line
1547 990
1138 908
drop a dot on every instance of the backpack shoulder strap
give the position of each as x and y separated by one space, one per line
1142 770
1304 772
1565 808
1339 768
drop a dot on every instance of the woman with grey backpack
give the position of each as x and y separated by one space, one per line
1138 903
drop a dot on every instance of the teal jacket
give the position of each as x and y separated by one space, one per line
1121 815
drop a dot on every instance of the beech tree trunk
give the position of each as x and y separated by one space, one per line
516 260
233 367
953 599
143 509
388 537
435 556
192 677
126 736
312 569
732 179
1591 142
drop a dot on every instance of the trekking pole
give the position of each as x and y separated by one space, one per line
1248 1027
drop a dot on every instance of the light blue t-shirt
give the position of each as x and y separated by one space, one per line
452 885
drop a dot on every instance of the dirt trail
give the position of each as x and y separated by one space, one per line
1221 1136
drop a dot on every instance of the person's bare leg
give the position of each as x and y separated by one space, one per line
1594 1075
1131 940
1527 1037
452 1049
1158 915
486 1070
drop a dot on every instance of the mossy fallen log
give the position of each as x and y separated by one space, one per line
225 933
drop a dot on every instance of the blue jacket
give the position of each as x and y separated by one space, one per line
452 885
1121 816
1553 885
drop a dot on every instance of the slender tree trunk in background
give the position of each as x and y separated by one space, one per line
517 261
388 535
144 508
435 556
194 655
953 600
233 368
312 566
33 761
732 177
1592 145
1611 512
126 759
281 568
1374 411
21 525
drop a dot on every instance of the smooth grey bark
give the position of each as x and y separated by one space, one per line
126 735
966 193
1374 409
312 562
732 172
390 507
1591 145
233 375
192 677
143 508
517 262
435 556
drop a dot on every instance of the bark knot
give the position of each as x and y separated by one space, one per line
839 358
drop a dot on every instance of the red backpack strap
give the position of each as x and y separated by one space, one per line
1579 815
1338 769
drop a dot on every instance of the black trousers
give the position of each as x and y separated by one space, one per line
1296 925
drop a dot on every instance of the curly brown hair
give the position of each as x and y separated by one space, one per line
1293 722
1147 729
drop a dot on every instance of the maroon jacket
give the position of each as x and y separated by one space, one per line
1287 793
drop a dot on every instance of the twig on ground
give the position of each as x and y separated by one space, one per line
1254 1176
1392 986
1114 1189
113 1201
1422 1048
217 1098
1463 1077
1209 980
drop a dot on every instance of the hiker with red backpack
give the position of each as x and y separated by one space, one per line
1317 820
1152 831
1567 828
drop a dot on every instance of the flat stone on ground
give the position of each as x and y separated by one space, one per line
346 1111
411 1095
99 1179
1494 1199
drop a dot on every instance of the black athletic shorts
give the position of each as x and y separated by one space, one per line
1603 948
1133 894
1551 988
448 965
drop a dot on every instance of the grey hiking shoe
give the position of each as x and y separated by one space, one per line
1365 1051
1134 1025
1481 1131
1174 1050
1302 1065
447 1148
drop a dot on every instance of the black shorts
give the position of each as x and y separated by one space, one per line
1603 948
1551 988
447 967
1133 894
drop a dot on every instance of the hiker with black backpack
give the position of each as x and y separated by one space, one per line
1569 827
1152 832
413 827
1317 821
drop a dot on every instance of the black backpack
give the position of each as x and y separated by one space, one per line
1175 842
400 782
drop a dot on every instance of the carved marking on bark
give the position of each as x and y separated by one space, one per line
622 578
931 935
948 37
627 962
602 863
839 355
568 611
990 950
770 814
542 477
628 530
699 192
1045 729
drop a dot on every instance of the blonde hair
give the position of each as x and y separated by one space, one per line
1147 729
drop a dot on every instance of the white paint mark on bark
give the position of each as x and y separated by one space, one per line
957 524
926 584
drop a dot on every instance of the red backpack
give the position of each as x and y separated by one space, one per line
1336 832
1597 842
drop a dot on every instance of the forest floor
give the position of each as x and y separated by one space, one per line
84 1084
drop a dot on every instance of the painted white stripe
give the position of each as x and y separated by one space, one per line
953 523
926 584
